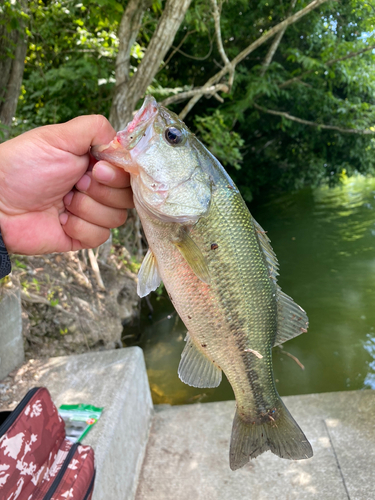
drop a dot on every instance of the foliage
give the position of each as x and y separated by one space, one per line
224 143
70 68
70 62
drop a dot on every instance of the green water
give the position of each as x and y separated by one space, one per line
325 243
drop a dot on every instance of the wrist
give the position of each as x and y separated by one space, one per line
5 266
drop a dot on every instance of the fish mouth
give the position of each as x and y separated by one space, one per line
119 150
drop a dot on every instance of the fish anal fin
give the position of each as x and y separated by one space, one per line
281 435
291 318
196 369
148 276
193 256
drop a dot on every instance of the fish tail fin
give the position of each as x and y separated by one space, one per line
281 435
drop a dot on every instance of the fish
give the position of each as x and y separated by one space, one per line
220 271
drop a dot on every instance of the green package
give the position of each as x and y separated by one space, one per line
79 419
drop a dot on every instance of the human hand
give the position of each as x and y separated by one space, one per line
49 201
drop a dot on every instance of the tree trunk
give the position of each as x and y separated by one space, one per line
13 49
128 89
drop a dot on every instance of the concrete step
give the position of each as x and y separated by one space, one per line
188 448
117 381
11 341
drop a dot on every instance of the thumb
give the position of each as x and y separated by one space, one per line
78 135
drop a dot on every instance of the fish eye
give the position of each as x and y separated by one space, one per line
174 136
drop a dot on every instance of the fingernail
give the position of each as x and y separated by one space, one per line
63 218
84 183
103 172
68 198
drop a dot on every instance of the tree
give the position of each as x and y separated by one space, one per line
12 59
129 89
281 92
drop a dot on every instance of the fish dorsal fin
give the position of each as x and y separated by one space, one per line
291 318
148 275
196 369
193 256
269 254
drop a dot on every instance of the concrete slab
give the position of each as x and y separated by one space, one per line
117 381
12 352
187 453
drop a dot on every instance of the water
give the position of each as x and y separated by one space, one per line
325 243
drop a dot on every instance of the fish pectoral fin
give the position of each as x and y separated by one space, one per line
193 256
291 318
196 369
148 276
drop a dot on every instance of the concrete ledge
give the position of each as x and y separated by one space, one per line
11 342
117 381
187 455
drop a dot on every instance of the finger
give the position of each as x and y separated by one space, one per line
109 196
79 134
90 210
83 233
107 174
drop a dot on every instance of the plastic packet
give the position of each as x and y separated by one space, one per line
78 420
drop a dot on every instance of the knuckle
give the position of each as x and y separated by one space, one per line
101 122
99 238
80 202
121 217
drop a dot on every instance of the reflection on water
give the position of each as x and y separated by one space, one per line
325 243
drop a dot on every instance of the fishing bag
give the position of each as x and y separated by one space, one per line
36 461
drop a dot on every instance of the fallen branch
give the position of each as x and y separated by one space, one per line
95 268
314 124
295 359
36 299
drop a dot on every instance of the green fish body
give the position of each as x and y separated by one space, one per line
220 271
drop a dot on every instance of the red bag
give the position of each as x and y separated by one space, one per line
36 461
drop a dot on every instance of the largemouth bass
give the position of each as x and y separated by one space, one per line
220 272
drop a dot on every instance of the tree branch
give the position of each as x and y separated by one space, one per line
176 49
216 14
194 57
253 46
219 41
314 124
275 43
328 63
220 87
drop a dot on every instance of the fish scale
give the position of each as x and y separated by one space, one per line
220 272
225 317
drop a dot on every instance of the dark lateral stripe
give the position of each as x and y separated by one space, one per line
5 266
